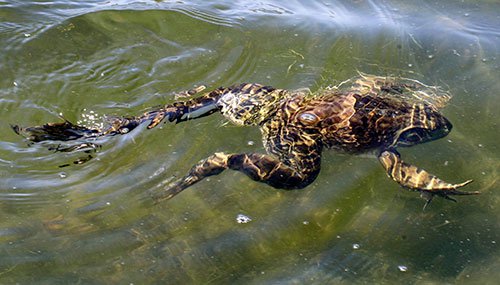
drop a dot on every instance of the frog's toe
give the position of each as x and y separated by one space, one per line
167 193
442 188
428 194
455 186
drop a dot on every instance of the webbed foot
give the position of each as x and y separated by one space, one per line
63 131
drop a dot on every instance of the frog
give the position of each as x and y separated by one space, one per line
364 114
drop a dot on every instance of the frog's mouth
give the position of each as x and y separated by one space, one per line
421 134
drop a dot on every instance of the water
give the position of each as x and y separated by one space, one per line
95 223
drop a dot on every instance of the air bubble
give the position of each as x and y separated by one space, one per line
402 268
356 246
243 219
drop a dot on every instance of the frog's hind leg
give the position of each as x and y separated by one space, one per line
186 110
259 167
414 178
116 125
204 105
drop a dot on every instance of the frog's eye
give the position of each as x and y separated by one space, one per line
308 118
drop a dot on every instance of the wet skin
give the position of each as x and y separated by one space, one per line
371 114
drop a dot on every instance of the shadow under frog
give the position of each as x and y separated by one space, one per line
365 113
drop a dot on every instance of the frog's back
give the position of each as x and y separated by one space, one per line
370 114
346 121
386 112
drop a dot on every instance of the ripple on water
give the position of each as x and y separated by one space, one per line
166 45
120 57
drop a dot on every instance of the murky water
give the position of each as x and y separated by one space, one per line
95 222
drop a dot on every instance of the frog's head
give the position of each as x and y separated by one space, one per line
426 124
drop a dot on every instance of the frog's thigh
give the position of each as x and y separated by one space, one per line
268 169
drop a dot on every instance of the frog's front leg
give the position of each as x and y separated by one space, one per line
259 167
414 178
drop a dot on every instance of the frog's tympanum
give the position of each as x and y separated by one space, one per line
364 114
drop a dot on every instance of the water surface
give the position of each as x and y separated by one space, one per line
95 223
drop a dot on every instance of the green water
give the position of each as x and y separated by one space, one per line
95 223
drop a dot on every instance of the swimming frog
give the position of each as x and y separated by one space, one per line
364 114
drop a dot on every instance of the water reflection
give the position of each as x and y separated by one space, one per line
95 222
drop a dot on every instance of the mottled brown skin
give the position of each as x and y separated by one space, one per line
373 114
